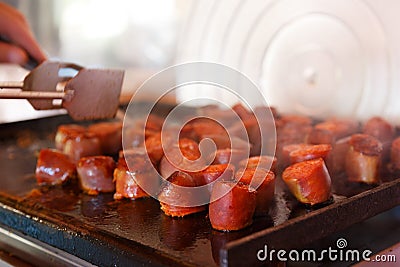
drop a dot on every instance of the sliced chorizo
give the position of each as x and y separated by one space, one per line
184 156
363 159
154 148
395 154
212 173
96 174
53 167
82 145
266 162
310 152
336 160
229 156
174 200
235 209
383 131
134 175
263 181
329 131
67 131
309 181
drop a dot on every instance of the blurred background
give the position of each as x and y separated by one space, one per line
117 33
316 57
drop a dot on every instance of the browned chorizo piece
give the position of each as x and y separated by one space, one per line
175 201
309 181
210 174
292 134
395 154
261 135
263 181
184 157
197 128
294 121
133 172
258 130
243 113
383 131
235 209
284 159
96 174
53 167
110 136
266 162
229 156
154 148
290 129
310 152
328 132
363 159
379 128
239 129
82 145
154 123
223 141
336 160
67 131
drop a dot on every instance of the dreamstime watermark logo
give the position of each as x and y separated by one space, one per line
334 254
203 83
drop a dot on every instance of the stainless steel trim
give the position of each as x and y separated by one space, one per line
36 252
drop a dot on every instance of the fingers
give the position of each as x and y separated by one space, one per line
14 26
12 54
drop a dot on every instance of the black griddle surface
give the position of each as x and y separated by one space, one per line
123 233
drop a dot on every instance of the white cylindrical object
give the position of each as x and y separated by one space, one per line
315 57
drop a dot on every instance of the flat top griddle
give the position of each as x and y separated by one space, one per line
107 232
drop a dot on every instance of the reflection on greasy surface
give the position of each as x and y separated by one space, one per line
190 241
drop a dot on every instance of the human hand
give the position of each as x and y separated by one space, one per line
21 43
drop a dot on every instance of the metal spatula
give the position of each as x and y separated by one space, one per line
86 95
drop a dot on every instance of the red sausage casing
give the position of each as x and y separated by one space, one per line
224 172
287 149
363 159
336 160
229 156
380 129
154 148
310 152
133 172
265 180
259 162
175 201
395 154
184 156
291 129
200 127
243 112
328 132
235 209
383 131
309 181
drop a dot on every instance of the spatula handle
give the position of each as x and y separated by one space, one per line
16 94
